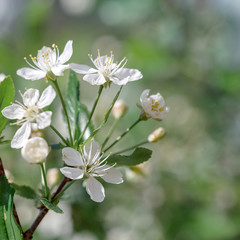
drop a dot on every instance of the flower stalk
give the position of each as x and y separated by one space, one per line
45 180
64 109
91 114
123 134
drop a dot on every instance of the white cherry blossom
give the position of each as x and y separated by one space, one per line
30 114
106 71
35 150
153 106
89 163
48 63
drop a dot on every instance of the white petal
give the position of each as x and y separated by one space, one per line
94 79
47 97
72 173
72 157
31 74
58 70
82 69
21 136
90 150
44 119
144 95
111 175
67 52
95 189
125 75
13 111
30 97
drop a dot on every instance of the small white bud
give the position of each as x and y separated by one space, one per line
119 109
9 176
35 150
53 177
156 135
2 77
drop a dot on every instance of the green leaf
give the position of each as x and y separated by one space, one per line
9 229
50 205
78 113
139 155
83 119
72 103
6 97
24 191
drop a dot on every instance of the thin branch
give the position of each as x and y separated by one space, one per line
27 235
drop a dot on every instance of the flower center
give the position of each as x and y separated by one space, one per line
155 106
31 113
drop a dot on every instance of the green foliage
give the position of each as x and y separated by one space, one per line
78 113
24 191
6 97
50 205
9 230
82 121
139 155
72 103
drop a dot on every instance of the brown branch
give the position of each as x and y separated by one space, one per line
2 172
27 235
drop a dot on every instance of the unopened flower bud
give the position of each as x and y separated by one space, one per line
53 177
35 150
156 135
2 77
9 176
119 109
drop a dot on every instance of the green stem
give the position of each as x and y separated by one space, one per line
45 180
130 148
64 109
123 134
106 116
59 134
111 131
91 114
62 192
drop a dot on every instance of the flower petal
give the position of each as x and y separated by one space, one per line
72 173
125 75
31 74
44 119
67 52
82 69
145 95
47 97
110 175
21 136
58 70
72 157
13 111
95 189
30 97
94 79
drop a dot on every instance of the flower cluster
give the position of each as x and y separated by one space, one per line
84 158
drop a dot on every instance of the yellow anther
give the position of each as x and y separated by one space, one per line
25 58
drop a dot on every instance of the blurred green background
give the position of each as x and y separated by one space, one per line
189 51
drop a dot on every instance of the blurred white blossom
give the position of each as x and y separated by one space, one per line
153 106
